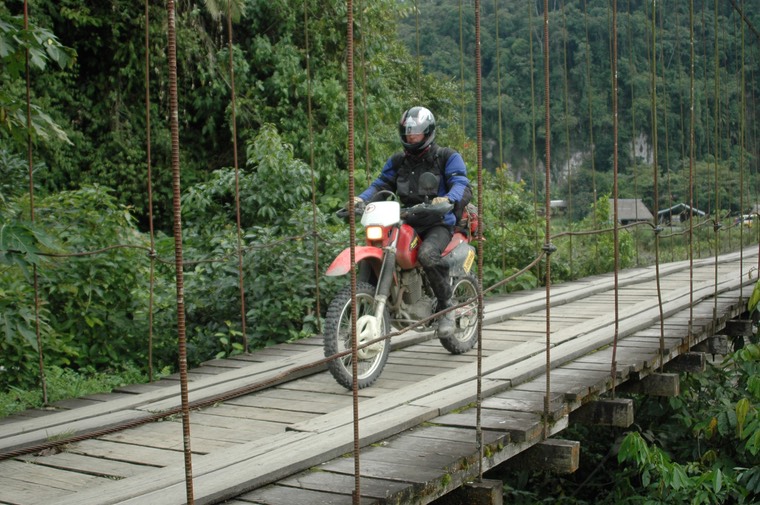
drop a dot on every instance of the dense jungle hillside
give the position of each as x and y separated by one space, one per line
720 79
406 52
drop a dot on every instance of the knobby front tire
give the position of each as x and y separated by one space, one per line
337 337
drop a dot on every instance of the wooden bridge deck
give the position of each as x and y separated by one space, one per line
417 427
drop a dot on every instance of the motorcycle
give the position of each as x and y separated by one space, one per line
392 291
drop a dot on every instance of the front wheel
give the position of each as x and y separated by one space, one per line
465 335
337 337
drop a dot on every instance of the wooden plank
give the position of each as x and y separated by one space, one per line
147 456
456 434
413 474
157 400
169 435
280 495
52 477
403 456
20 492
520 426
18 439
88 465
378 489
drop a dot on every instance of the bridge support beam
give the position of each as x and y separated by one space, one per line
485 492
617 412
692 362
656 384
557 456
713 345
738 328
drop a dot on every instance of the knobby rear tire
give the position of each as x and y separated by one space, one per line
465 332
337 337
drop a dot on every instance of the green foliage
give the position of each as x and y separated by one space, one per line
276 217
510 230
63 384
90 303
698 448
42 47
593 253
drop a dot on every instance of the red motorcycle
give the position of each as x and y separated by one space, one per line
392 291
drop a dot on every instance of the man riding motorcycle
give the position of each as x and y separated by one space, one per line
401 174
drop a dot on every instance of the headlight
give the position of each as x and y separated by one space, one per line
374 233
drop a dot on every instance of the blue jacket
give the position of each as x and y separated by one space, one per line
452 184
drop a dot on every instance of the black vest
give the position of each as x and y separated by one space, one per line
409 169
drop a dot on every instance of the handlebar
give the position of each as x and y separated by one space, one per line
406 212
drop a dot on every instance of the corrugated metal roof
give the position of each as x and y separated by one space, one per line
630 209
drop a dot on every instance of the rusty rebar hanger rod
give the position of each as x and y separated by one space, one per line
310 123
352 227
655 169
35 278
241 284
152 250
479 147
548 247
176 193
692 119
615 158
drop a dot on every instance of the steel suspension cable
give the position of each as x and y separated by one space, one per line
692 121
417 38
741 143
151 230
655 170
479 147
498 85
548 247
534 172
716 142
590 93
30 160
241 285
501 171
176 203
566 91
615 233
667 140
363 65
461 68
310 123
634 163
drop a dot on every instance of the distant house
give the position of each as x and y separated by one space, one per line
630 210
558 206
678 214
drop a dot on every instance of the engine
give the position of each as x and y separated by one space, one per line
416 301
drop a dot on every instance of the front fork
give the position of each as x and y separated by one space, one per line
385 280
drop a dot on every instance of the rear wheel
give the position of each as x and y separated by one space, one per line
465 335
337 337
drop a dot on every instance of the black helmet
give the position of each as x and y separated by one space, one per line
417 120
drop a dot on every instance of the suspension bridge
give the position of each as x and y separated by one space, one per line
273 427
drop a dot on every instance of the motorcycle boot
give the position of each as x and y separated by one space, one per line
447 322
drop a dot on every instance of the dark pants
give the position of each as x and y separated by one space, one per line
434 242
